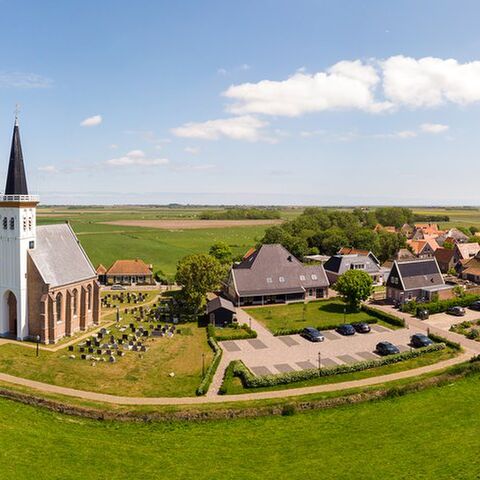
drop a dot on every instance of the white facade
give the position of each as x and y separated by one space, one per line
17 236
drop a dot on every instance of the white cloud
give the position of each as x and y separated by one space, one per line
429 81
433 128
192 150
244 127
136 157
48 169
113 146
92 121
345 85
222 71
23 80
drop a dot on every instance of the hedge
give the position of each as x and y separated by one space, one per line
207 379
449 343
249 333
330 326
440 305
384 316
249 380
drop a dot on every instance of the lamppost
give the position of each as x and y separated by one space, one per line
203 365
37 338
319 361
344 314
118 314
250 322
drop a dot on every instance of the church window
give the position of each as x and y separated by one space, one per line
58 307
89 297
24 224
29 223
31 245
5 223
12 223
75 302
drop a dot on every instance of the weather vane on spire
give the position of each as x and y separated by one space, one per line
17 111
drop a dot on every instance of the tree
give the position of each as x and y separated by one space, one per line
198 274
473 230
222 252
354 286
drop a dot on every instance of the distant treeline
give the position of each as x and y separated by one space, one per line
431 218
241 214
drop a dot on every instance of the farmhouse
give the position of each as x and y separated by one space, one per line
366 261
271 274
48 287
418 279
126 272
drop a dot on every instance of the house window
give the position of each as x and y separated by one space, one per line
314 277
281 279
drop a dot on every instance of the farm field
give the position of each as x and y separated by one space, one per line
430 435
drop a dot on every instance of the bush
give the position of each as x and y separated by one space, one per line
437 338
440 305
251 381
207 379
288 410
223 337
473 334
385 317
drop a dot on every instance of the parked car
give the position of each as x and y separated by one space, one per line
362 327
312 334
346 329
419 340
457 311
423 313
475 305
118 287
386 348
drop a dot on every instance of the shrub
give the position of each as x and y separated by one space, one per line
473 334
384 316
207 379
288 410
437 338
251 381
222 337
441 305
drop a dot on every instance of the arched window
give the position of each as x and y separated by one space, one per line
75 303
5 223
12 223
89 297
58 307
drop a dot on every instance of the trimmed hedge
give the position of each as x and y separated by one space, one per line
207 379
439 339
330 326
247 333
249 380
384 316
440 305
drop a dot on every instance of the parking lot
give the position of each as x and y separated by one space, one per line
271 355
445 321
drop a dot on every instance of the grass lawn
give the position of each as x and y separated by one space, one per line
234 386
134 374
432 434
231 333
313 314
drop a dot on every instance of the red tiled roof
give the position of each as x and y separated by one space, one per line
129 267
101 270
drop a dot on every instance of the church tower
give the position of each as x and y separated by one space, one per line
17 237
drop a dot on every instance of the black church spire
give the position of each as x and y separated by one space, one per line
16 178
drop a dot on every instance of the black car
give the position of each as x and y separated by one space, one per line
420 340
362 327
386 348
346 329
423 313
312 334
475 305
457 311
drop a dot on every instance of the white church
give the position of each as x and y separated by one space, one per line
48 286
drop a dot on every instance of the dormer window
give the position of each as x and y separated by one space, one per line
269 280
314 277
302 278
281 279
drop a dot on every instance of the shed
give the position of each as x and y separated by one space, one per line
220 312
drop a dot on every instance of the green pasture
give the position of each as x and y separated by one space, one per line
432 434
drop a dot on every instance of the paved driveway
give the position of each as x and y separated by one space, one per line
445 321
269 354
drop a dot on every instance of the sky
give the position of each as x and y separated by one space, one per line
256 102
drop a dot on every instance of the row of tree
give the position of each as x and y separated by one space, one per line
325 231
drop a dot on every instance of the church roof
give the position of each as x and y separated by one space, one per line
16 178
59 257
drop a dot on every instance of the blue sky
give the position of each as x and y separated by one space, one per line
259 102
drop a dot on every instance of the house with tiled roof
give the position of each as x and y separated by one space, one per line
129 272
422 248
271 274
339 264
418 279
445 259
470 270
465 251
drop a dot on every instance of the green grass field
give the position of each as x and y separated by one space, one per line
433 434
316 314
